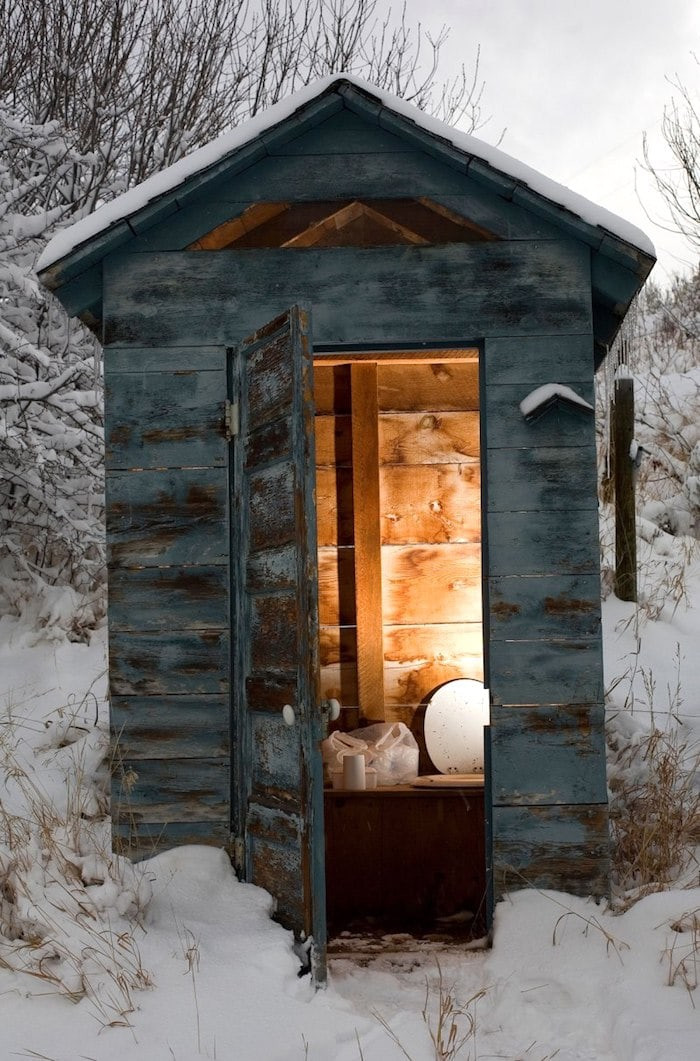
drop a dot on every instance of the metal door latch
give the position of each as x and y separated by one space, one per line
331 708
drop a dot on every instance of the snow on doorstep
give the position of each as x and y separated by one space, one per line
547 393
168 179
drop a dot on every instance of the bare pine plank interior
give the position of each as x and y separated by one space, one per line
399 530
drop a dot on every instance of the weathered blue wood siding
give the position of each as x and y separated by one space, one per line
168 313
542 601
169 610
448 293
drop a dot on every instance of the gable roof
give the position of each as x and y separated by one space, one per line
76 252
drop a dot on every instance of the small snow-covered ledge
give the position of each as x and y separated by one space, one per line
543 398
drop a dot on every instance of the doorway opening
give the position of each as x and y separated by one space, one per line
398 487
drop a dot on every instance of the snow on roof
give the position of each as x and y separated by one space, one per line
168 179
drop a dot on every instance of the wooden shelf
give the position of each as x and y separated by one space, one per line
402 791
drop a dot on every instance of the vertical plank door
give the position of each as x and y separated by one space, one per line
278 797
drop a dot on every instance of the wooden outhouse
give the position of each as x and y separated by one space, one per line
318 332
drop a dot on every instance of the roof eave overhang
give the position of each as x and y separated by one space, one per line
618 267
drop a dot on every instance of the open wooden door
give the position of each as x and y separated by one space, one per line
278 782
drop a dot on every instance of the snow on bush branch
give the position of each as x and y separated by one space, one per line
51 436
95 96
666 345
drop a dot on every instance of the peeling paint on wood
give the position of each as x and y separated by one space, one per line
279 785
551 606
172 661
167 517
272 506
169 598
451 292
548 755
170 727
541 847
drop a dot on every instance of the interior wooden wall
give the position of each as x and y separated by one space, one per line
428 560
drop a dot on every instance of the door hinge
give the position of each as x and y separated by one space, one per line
231 419
239 856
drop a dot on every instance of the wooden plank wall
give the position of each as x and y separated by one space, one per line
427 429
168 555
549 814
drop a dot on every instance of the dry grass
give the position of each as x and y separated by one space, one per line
69 907
654 813
451 1024
683 952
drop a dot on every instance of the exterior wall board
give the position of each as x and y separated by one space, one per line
548 755
561 671
169 598
434 294
560 425
168 661
565 847
171 419
163 359
542 479
526 543
142 839
172 727
529 607
542 602
198 788
163 517
532 360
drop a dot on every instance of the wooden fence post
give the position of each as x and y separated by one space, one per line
622 435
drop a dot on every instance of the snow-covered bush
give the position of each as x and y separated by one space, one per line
660 346
665 358
68 904
51 437
96 96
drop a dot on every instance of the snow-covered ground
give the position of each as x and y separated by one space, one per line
177 960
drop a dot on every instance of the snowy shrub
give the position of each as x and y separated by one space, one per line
94 98
660 345
68 905
665 357
51 436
